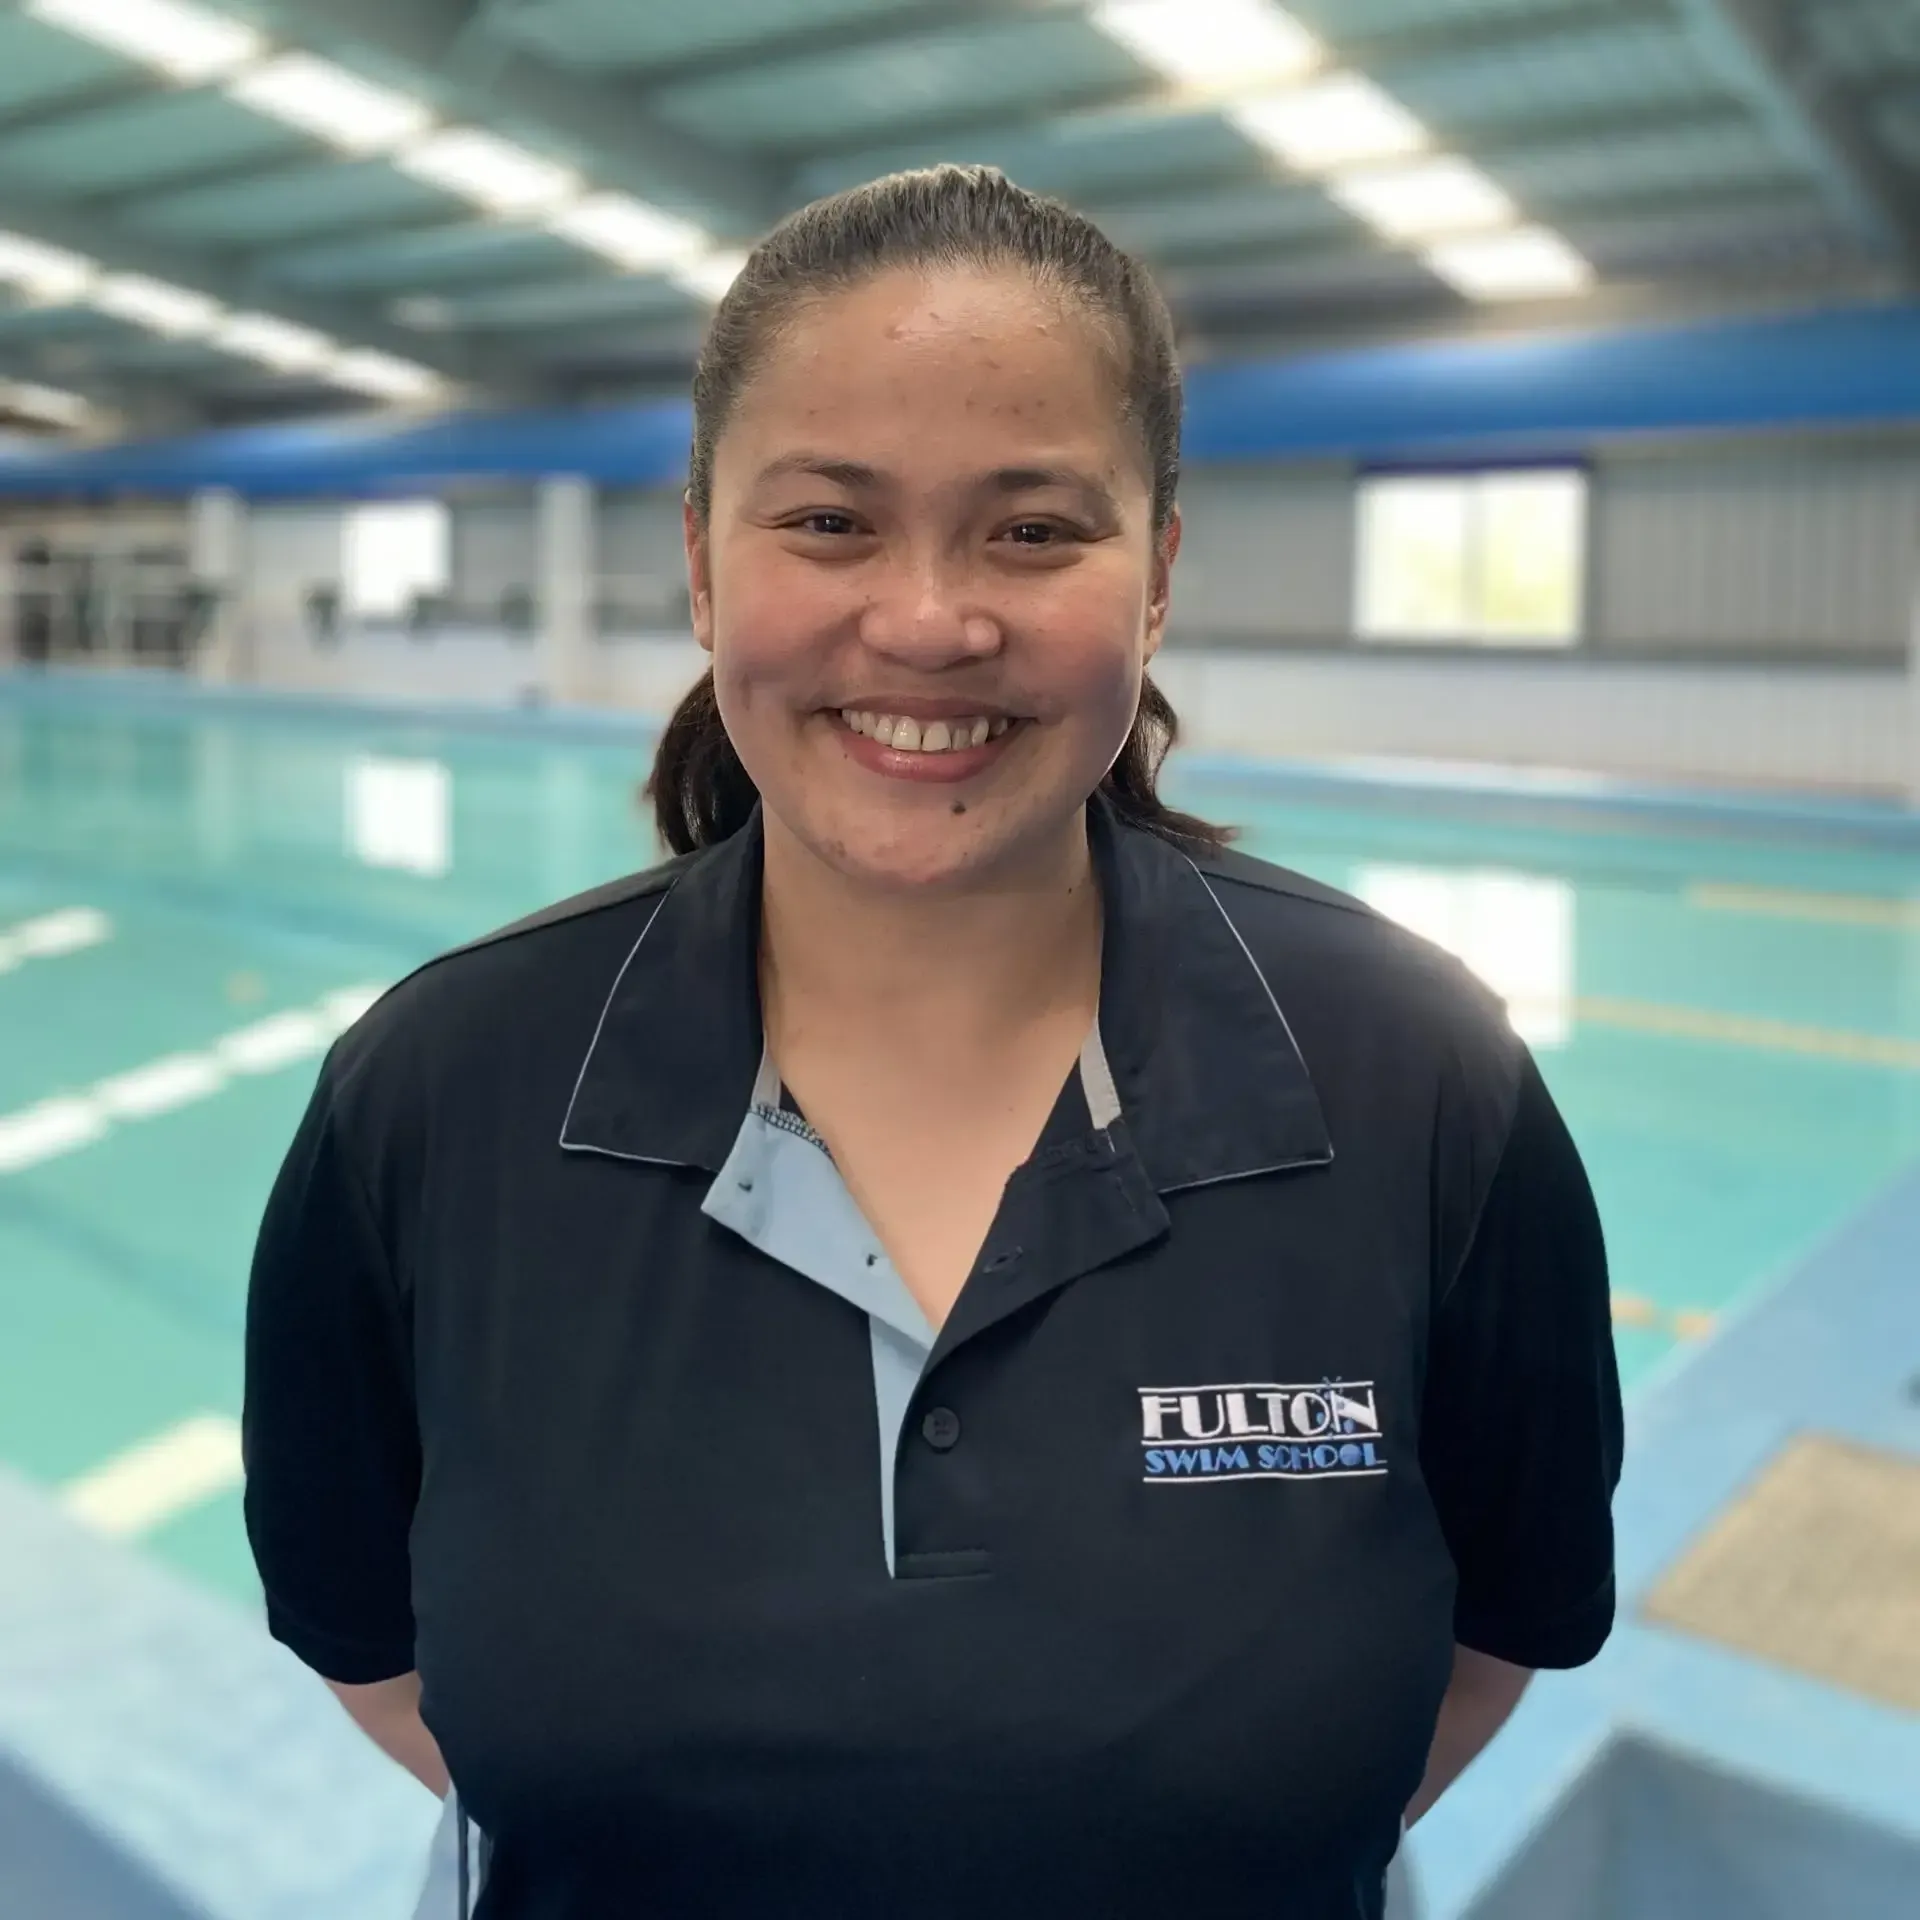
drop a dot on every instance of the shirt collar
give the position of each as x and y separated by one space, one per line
1211 1084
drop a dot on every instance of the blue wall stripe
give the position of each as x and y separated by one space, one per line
1535 396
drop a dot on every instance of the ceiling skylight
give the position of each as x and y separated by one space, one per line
493 173
711 275
47 274
629 232
1446 195
384 376
1342 121
328 101
185 42
278 344
52 404
1528 262
155 304
1211 43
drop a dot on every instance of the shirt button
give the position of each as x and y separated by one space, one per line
941 1429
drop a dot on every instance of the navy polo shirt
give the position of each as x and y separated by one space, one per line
576 1380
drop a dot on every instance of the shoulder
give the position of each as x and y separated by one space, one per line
1368 998
1304 926
522 989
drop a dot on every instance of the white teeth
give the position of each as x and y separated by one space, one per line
905 735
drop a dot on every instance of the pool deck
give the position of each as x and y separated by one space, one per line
1833 1348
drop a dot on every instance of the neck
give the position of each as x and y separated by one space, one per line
944 972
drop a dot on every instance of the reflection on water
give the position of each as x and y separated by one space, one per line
400 814
1515 930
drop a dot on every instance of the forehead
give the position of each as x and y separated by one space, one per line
989 354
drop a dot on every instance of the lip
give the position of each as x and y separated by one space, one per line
905 707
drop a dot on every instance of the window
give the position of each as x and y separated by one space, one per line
392 553
1496 558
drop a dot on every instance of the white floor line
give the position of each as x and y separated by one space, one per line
68 931
158 1479
58 1126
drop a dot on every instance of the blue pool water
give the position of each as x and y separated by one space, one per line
1731 1021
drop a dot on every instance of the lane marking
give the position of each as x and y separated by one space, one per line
54 1126
1783 903
159 1479
71 1121
1680 1323
159 1087
70 930
1744 1030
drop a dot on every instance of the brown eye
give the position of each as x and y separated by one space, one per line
830 524
1034 533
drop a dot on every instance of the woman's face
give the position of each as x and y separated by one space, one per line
929 579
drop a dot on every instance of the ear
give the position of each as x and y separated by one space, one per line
1166 549
699 573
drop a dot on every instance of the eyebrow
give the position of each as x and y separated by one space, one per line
857 477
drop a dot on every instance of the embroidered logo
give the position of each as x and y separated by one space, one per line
1326 1430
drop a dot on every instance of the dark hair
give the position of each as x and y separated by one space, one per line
933 216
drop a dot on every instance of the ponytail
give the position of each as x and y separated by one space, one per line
701 794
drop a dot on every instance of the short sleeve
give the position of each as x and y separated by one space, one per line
329 1432
1521 1434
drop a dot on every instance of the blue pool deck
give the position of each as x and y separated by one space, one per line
161 1759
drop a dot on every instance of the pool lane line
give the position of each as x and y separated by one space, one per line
159 1478
1679 1323
1746 1030
50 935
1785 903
68 1122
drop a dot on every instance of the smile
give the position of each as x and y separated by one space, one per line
906 735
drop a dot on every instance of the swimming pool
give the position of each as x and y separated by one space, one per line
194 896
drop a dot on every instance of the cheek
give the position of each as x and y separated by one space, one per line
1090 656
767 624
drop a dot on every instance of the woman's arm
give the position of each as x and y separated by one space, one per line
1479 1697
388 1713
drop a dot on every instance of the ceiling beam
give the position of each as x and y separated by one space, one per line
106 96
1651 207
625 144
1762 49
84 232
862 33
1385 58
1521 145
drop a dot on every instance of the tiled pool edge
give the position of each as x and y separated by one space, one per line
1832 1347
167 1726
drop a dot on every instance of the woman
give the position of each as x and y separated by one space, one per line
957 1349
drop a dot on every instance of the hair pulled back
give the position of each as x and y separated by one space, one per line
932 217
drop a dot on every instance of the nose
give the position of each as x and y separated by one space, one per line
923 613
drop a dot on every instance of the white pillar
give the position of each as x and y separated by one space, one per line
566 590
216 561
1913 691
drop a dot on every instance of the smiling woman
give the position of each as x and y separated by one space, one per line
958 1348
1009 473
